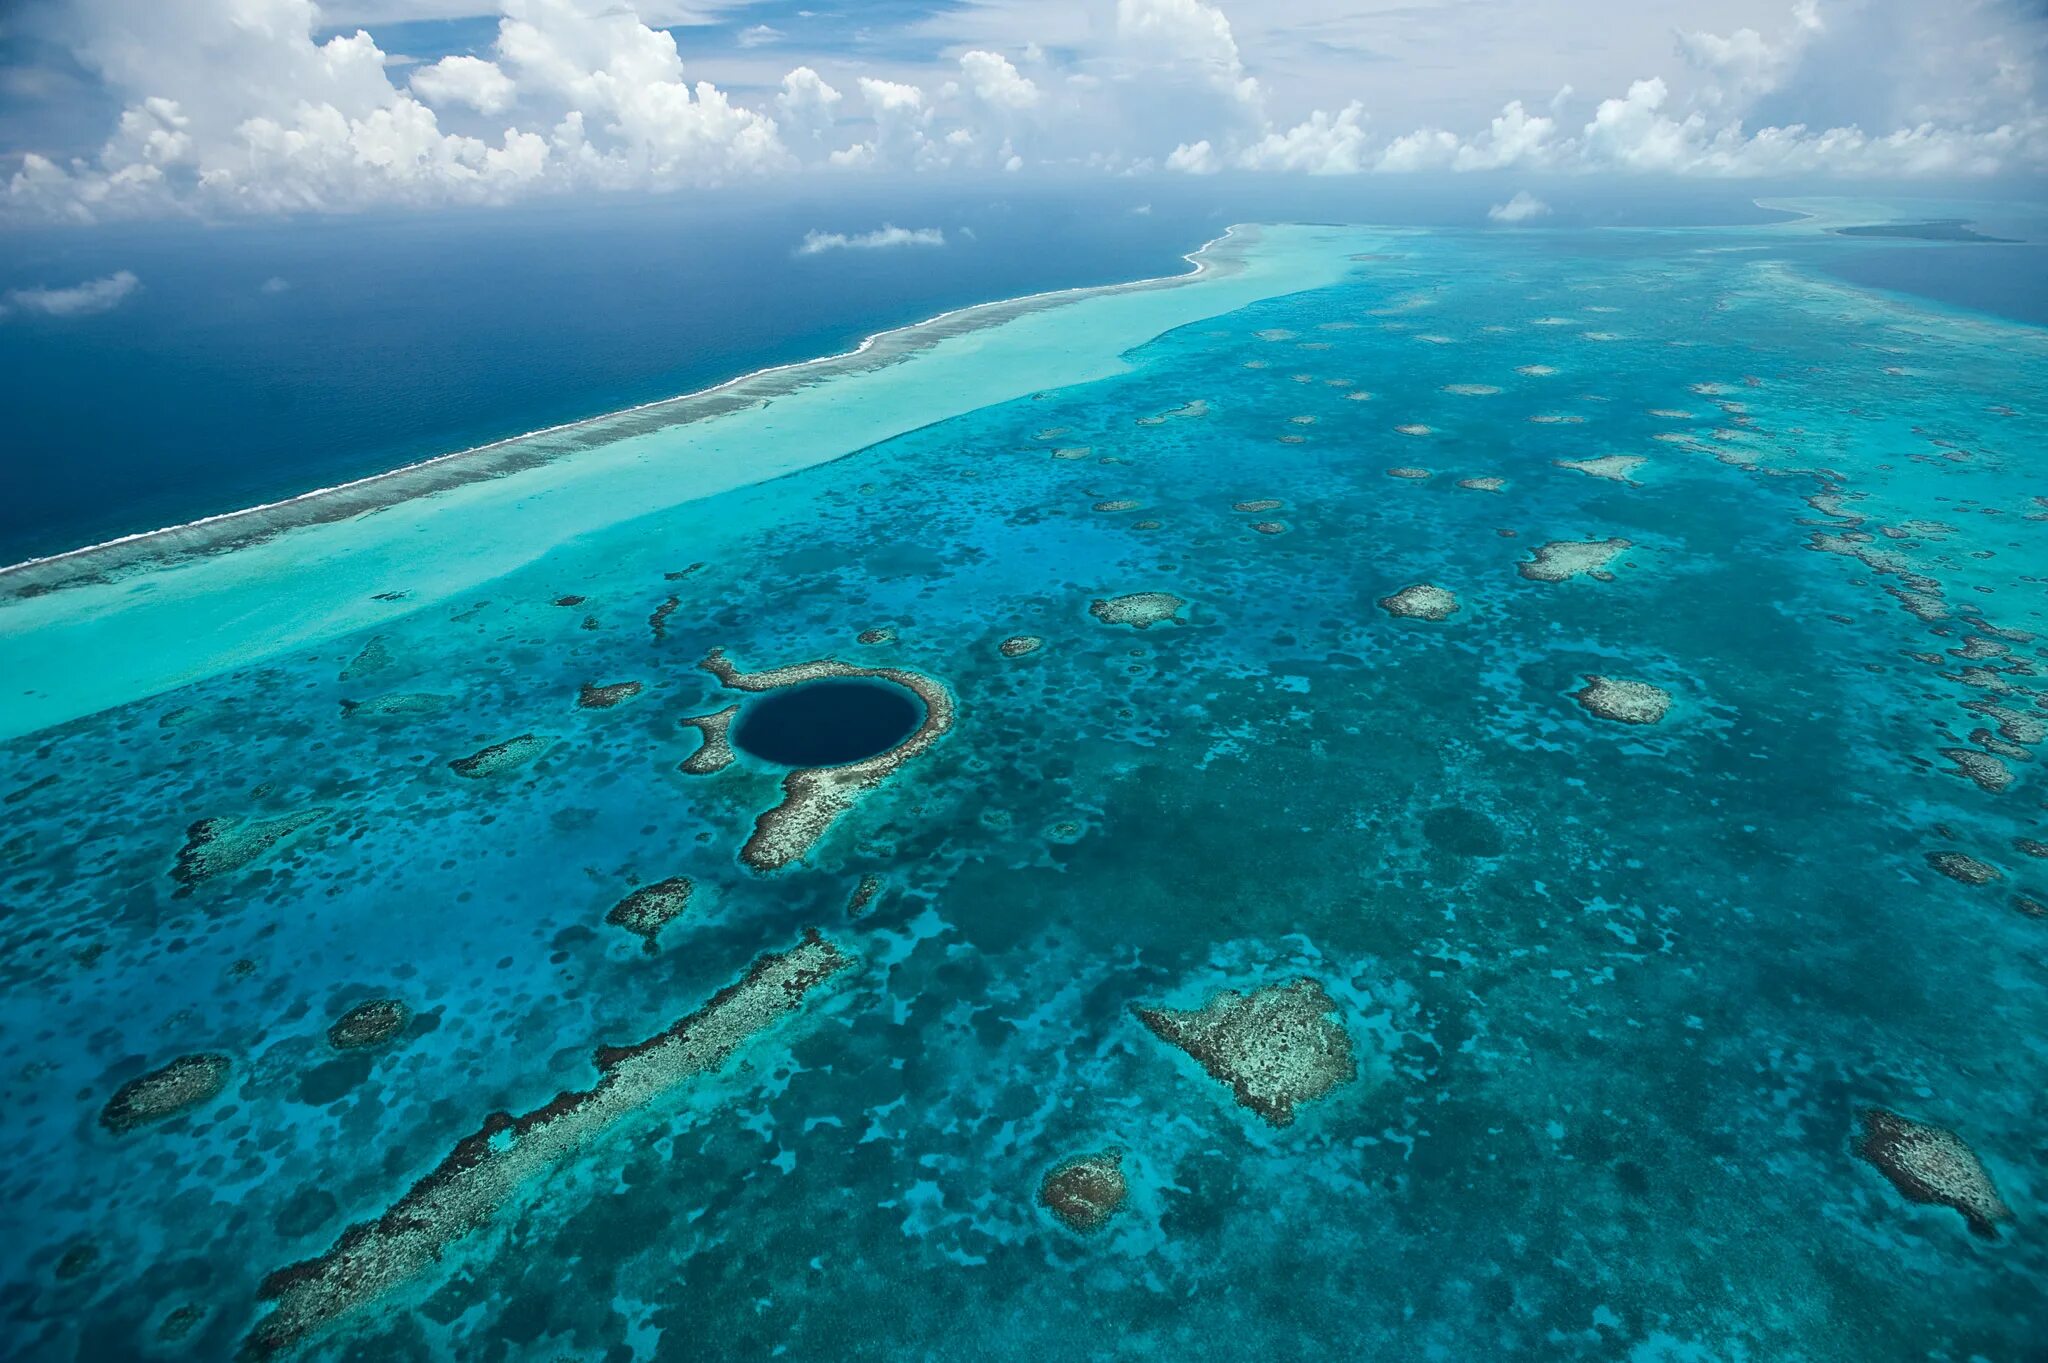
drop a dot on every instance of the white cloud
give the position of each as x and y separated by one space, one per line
232 106
465 80
1321 145
1194 158
275 284
994 81
807 106
1521 208
881 238
79 300
1744 64
1513 138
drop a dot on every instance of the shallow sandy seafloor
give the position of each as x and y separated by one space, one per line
1617 995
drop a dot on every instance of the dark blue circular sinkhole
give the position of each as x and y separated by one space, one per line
827 723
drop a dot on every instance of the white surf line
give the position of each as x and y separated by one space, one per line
1195 260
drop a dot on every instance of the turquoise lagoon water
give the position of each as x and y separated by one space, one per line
1617 994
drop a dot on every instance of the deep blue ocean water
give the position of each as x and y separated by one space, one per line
1617 996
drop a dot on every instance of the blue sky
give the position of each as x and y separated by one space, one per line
111 109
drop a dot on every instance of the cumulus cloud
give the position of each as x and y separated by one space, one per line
235 106
79 300
282 106
882 238
995 82
807 105
1521 208
465 80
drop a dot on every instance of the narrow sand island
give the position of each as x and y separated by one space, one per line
99 627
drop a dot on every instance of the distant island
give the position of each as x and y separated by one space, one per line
1935 229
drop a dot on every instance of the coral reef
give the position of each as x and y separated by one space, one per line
603 697
183 1084
715 752
657 623
1276 1048
1086 1191
1488 484
650 908
1616 468
1016 646
880 635
499 758
219 845
1423 601
179 1322
1964 867
1561 560
1623 701
1270 527
488 1168
373 657
863 896
1116 504
371 1023
1932 1165
1258 504
402 705
1987 771
1139 610
1198 407
812 797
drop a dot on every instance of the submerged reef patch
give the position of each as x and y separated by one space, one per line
715 752
403 705
1933 1166
657 623
371 1023
1486 484
486 1169
1086 1191
1964 867
499 758
812 797
1258 504
1986 770
1139 610
1276 1048
1622 700
1615 468
1561 560
1199 407
219 845
603 697
185 1083
863 896
1016 646
1423 601
373 657
650 908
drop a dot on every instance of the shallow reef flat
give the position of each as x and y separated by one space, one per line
1642 960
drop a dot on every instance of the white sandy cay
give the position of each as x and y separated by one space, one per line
104 626
1471 390
1617 468
1536 371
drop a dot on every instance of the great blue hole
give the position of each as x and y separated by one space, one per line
827 723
